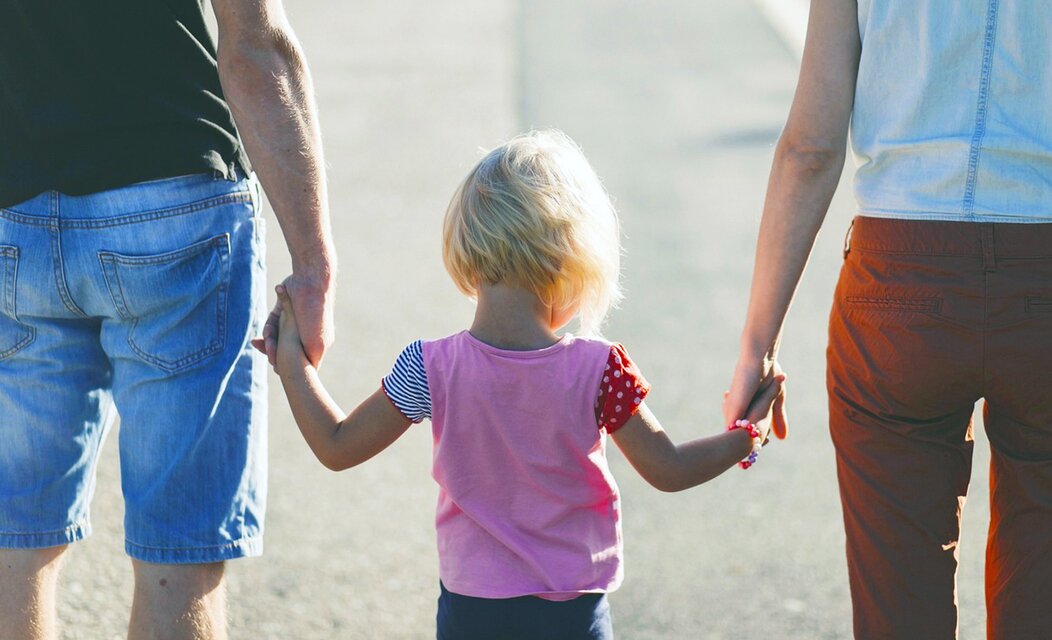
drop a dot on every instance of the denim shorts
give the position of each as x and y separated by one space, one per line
586 617
138 301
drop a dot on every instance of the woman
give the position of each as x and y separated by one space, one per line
945 295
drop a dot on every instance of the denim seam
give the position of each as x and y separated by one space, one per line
949 216
55 232
76 526
946 254
9 271
110 260
968 205
83 223
862 211
161 258
107 265
10 254
229 545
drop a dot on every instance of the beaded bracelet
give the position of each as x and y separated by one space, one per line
757 442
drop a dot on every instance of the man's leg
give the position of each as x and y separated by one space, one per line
55 410
178 602
28 583
190 389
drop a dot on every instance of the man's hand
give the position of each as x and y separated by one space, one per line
751 388
269 89
313 300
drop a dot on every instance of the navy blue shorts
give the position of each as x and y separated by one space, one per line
524 618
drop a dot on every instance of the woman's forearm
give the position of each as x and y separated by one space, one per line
807 165
801 186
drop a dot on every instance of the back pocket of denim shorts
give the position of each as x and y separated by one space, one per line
14 336
175 303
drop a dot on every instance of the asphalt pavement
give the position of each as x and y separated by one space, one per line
678 105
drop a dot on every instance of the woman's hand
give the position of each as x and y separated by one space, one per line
750 396
808 161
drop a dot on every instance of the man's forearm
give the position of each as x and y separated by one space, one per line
268 86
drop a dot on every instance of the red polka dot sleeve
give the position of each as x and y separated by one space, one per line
621 391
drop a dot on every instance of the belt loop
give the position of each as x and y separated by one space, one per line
986 241
847 238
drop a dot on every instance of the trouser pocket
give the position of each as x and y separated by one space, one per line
174 304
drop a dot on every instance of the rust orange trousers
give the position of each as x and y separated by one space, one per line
928 318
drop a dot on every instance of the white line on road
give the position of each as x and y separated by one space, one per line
789 19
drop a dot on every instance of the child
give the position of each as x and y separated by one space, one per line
528 518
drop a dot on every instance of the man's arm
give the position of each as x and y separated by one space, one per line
268 86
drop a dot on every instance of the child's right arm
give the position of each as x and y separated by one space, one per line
675 467
338 440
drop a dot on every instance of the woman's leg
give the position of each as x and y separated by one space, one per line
904 370
1019 548
903 483
1019 424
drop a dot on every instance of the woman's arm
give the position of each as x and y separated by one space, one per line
339 441
808 161
674 467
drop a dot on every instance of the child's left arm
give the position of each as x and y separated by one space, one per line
674 467
338 440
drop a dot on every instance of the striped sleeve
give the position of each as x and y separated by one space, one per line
406 385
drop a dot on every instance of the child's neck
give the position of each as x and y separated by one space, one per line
509 317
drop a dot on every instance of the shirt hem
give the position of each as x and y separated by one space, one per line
947 216
466 590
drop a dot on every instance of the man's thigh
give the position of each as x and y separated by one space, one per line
158 288
55 404
179 276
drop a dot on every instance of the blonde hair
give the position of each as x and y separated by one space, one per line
533 213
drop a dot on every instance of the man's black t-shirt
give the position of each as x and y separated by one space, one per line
98 94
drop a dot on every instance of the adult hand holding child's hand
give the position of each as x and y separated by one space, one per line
314 296
755 381
765 406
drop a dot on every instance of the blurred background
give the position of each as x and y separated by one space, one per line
678 104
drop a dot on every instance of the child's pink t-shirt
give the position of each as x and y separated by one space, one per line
526 504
